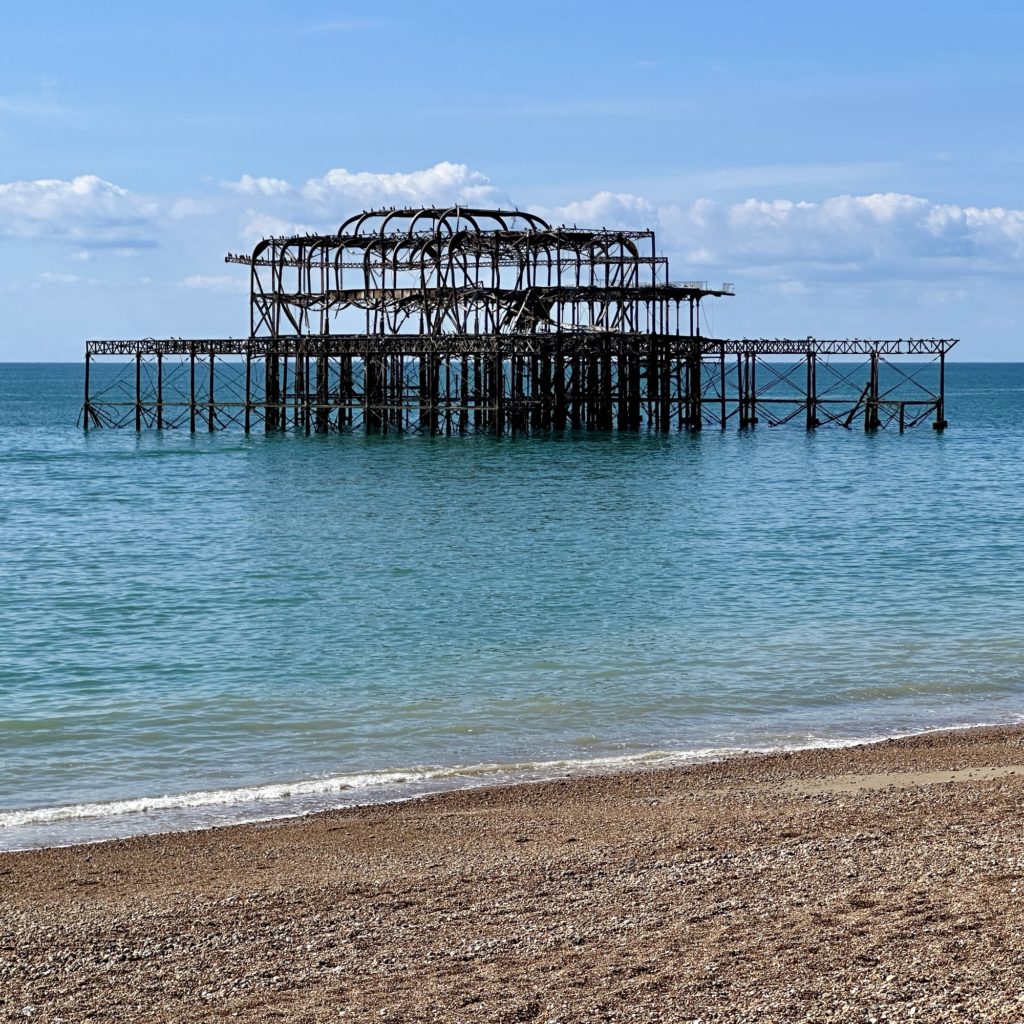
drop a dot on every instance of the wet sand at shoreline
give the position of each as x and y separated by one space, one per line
879 882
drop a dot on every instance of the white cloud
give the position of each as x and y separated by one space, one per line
882 233
445 182
85 210
274 206
616 210
340 192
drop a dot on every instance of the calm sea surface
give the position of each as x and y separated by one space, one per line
208 628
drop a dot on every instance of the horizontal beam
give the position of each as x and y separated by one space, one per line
431 296
568 343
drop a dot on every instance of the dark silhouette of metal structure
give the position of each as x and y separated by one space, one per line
464 320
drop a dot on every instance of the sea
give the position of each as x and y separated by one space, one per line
199 629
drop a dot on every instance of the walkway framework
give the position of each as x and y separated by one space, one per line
462 320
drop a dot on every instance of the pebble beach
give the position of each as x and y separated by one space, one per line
871 883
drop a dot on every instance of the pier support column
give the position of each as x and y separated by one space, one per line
344 391
271 391
210 414
696 417
575 391
722 380
741 389
871 419
283 394
138 391
192 389
812 391
940 406
300 391
591 397
498 387
653 388
752 391
463 421
248 388
665 390
323 374
86 407
371 388
558 421
478 392
159 391
635 397
544 392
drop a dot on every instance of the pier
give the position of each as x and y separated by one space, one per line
455 321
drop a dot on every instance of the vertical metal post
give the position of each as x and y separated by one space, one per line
741 396
752 390
696 403
248 387
305 394
447 393
271 393
576 418
684 401
138 391
435 388
812 391
665 416
605 370
871 421
653 387
635 398
516 388
464 394
722 382
940 406
300 390
159 390
209 397
283 412
323 376
86 407
498 385
192 389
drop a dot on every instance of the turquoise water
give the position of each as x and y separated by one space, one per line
206 628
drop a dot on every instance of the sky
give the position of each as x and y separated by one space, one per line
854 169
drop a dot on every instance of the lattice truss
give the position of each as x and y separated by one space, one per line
458 320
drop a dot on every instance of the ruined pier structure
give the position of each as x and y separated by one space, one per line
461 320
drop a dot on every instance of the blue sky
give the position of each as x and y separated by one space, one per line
855 169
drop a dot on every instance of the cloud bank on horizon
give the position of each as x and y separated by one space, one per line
796 259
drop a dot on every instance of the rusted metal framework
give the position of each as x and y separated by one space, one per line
465 320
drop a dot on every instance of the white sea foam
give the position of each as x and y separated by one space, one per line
372 787
340 784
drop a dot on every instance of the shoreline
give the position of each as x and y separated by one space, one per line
462 778
827 884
